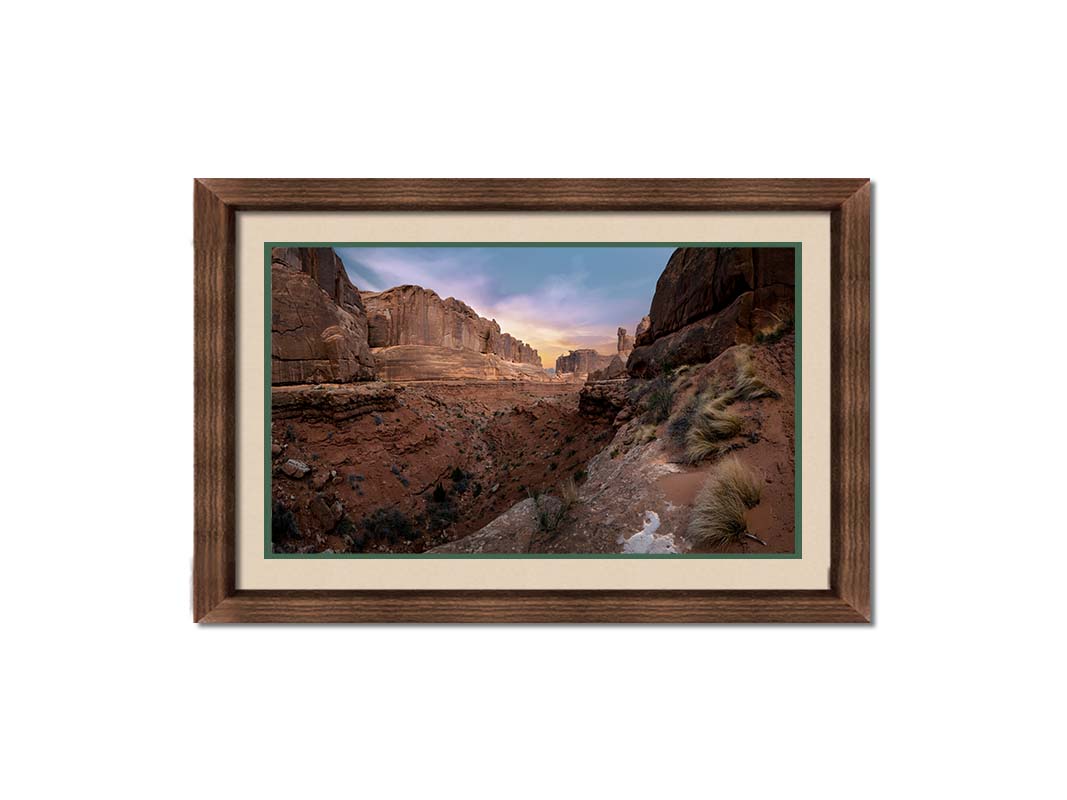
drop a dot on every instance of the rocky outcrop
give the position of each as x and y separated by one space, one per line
709 299
642 329
428 363
333 402
602 399
579 363
318 323
411 315
626 343
615 369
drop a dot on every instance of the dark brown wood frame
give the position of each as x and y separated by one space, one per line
215 597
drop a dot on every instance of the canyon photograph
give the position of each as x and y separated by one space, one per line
461 400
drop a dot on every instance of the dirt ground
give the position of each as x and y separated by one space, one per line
450 457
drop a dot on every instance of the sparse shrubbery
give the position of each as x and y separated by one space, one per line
746 385
704 426
383 526
550 509
283 523
710 429
781 324
718 516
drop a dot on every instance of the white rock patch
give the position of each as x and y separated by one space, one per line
646 541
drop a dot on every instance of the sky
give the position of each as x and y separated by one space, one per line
555 299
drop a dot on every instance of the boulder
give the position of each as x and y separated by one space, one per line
295 469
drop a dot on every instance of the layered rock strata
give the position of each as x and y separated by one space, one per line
318 323
411 315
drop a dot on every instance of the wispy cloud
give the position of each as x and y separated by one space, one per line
559 311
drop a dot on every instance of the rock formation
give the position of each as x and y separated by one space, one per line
428 363
577 364
709 299
626 343
642 328
318 323
411 315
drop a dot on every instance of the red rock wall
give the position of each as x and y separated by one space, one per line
318 323
709 299
411 315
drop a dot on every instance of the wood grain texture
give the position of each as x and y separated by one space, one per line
545 606
214 397
214 574
850 405
533 195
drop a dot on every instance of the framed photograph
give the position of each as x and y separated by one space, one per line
532 401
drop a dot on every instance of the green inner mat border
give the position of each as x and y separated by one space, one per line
798 316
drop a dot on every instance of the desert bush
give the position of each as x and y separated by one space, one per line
718 516
709 430
659 399
550 509
457 474
746 385
283 522
644 434
385 526
439 494
781 323
679 423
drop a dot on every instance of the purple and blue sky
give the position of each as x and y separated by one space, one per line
556 299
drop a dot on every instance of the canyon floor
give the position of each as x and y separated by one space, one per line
527 467
427 462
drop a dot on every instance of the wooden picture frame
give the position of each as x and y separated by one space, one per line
216 203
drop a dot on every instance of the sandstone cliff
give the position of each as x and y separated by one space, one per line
709 299
318 323
579 363
411 315
408 362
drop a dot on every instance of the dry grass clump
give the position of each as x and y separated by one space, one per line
718 517
552 510
644 434
781 324
709 431
746 385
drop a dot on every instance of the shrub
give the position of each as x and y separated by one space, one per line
680 422
439 494
283 523
746 385
386 525
659 400
709 430
718 516
552 510
781 324
457 474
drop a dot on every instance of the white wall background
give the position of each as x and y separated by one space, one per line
110 110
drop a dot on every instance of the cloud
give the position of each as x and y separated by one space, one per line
562 311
